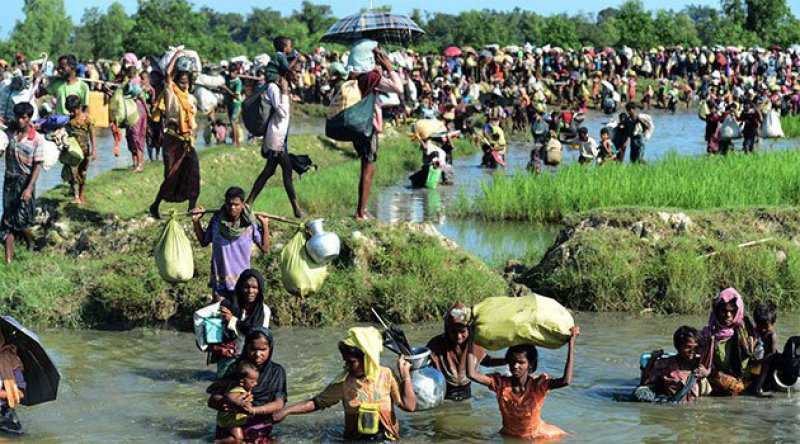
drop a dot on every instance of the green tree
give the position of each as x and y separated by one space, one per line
636 25
734 10
317 18
46 28
674 29
559 30
102 34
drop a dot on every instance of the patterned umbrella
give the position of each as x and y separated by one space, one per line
383 27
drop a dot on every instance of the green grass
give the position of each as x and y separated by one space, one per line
329 191
107 278
763 179
791 126
602 263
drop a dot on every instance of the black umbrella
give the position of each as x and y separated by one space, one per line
41 375
496 99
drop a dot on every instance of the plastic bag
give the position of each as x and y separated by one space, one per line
123 110
198 320
506 321
73 154
173 253
434 177
50 154
206 100
300 274
3 143
256 111
730 129
772 126
210 81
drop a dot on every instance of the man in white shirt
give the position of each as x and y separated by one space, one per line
587 145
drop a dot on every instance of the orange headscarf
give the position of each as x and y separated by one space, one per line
9 360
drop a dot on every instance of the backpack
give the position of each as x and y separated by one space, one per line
256 111
788 368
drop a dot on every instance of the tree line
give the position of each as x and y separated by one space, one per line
216 35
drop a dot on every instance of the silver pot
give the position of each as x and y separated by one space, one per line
428 382
323 246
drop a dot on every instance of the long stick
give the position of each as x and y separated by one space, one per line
100 81
746 244
270 216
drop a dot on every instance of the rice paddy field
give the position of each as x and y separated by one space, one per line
735 181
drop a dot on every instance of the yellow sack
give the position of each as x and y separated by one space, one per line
505 321
98 109
300 274
173 253
347 96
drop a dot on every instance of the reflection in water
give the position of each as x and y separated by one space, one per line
150 386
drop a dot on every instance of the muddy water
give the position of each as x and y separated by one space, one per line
681 132
142 386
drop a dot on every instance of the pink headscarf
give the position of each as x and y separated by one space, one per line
716 330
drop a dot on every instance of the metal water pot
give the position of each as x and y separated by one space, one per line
428 382
323 246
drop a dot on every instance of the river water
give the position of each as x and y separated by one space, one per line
496 242
145 385
148 385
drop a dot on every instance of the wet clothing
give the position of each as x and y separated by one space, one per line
733 347
352 392
451 360
522 413
669 379
229 420
271 387
21 156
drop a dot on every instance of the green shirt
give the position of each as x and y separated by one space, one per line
61 89
236 86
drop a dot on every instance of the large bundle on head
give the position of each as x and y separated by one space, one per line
188 60
505 321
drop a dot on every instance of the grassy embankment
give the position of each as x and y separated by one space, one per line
791 126
763 179
624 247
97 269
635 259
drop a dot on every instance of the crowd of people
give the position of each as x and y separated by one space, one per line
479 94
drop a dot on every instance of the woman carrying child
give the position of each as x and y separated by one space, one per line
266 397
521 396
